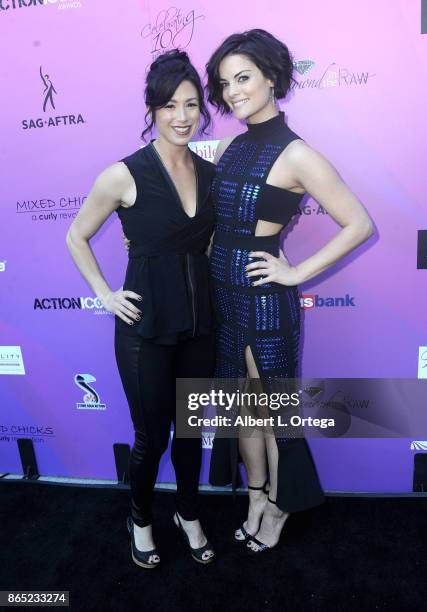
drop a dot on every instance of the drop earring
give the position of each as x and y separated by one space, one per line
272 98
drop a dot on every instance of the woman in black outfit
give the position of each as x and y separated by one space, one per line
164 320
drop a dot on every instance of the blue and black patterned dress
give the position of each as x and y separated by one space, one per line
265 317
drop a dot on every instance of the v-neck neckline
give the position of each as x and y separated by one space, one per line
169 179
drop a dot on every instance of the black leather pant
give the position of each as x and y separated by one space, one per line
148 372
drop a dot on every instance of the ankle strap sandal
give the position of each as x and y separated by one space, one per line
262 488
244 535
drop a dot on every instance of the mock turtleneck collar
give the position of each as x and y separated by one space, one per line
265 128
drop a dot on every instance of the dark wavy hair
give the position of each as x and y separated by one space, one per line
166 73
267 52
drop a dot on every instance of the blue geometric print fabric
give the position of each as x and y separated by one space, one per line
267 317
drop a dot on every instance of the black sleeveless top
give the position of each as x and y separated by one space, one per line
167 264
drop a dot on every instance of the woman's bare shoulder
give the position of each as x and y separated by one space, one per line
115 179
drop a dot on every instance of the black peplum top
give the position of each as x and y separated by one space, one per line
167 264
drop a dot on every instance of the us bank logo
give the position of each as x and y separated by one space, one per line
12 5
91 399
309 301
48 103
333 75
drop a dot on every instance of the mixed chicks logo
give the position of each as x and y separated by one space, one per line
48 96
50 209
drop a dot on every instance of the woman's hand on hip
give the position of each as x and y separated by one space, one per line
118 303
271 270
126 241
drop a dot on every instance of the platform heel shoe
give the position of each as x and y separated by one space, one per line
196 553
242 530
144 558
261 546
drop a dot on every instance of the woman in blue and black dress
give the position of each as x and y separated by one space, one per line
261 177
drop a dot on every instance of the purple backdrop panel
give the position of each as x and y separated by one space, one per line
74 104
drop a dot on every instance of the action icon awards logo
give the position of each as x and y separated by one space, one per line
7 5
11 361
3 263
333 76
93 304
49 94
91 399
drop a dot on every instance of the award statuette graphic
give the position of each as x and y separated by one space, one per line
49 90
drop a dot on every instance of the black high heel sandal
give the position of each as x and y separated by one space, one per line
141 557
196 553
246 535
261 546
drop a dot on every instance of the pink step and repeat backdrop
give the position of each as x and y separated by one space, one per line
72 75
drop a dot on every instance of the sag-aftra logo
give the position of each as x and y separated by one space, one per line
48 103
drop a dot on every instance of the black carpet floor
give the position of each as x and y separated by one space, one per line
348 554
